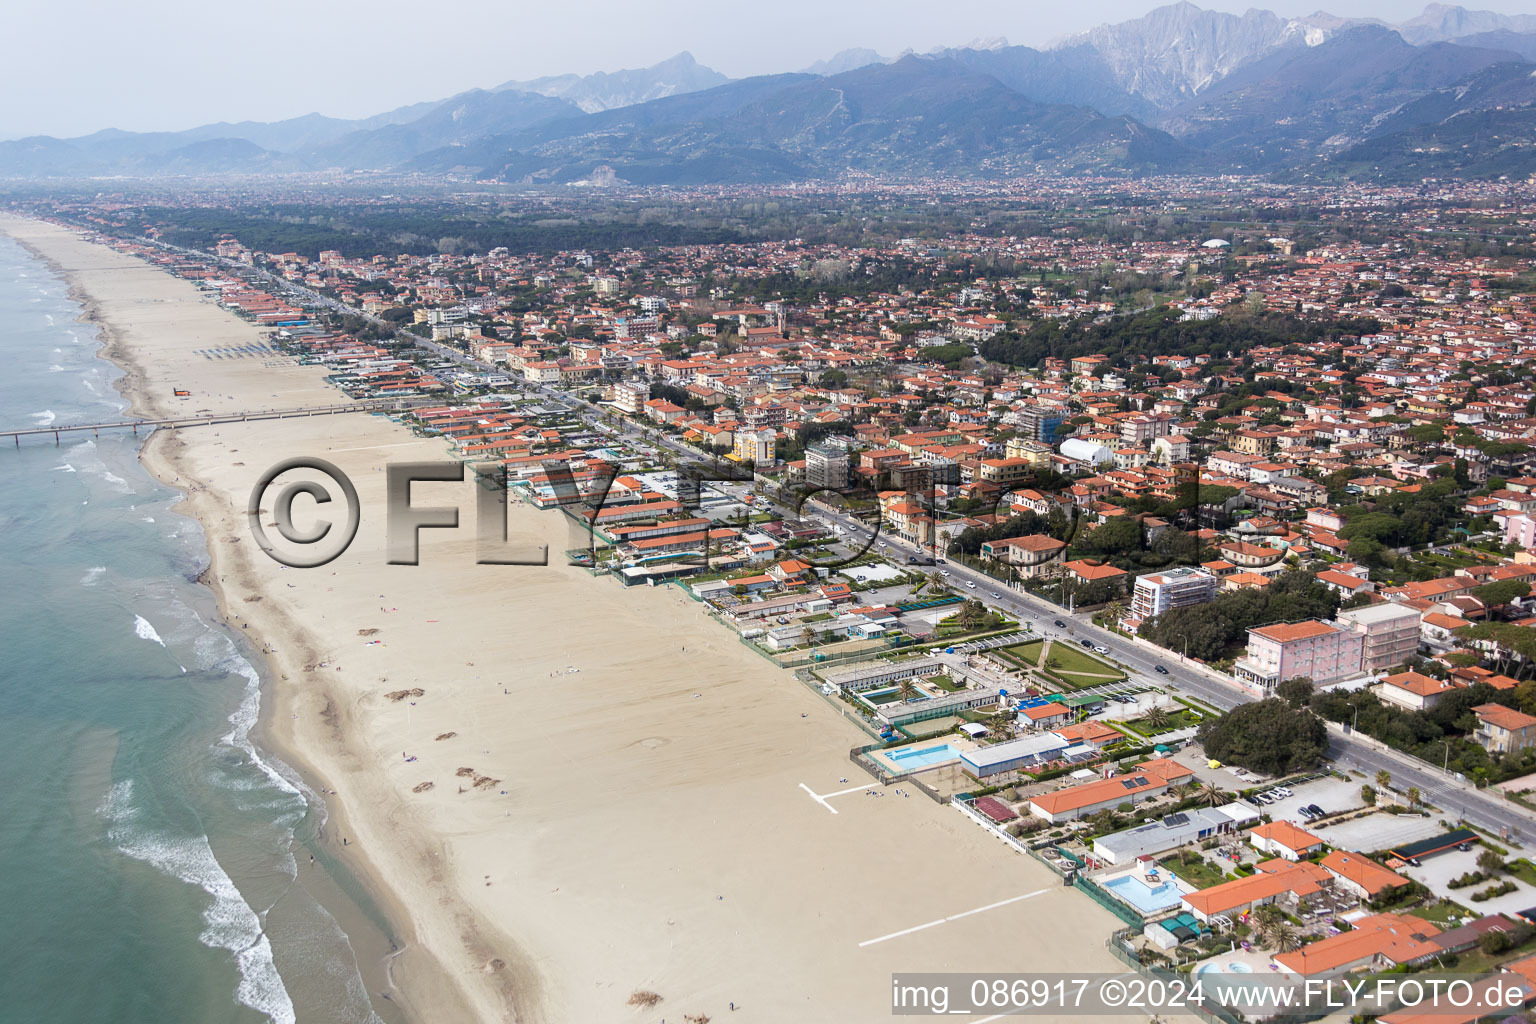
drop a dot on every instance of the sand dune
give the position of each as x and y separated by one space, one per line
637 824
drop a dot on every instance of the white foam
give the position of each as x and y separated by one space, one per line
145 631
66 468
229 922
55 368
44 418
92 574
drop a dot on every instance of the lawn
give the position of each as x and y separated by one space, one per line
1199 872
1523 870
1180 719
1079 668
1440 913
1022 654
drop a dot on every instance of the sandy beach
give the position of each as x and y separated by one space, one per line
598 790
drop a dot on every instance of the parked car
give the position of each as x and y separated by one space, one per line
1160 670
1282 791
1087 643
1130 698
1316 810
1101 650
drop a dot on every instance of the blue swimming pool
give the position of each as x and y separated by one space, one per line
1143 896
910 759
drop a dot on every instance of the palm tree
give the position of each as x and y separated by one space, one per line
908 690
808 636
1383 780
1266 919
1157 720
1284 937
970 614
1413 797
1211 795
1114 612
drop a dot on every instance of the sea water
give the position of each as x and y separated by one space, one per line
153 861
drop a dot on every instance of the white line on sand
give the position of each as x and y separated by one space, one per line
952 917
371 447
822 798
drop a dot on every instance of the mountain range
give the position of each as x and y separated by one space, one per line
1449 92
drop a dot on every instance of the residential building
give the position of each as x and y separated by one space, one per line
1319 651
1502 730
1413 691
826 466
1180 587
1282 839
754 445
1391 632
1032 556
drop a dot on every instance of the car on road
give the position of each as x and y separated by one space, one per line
971 585
1087 643
1101 650
1060 624
943 572
1160 670
996 595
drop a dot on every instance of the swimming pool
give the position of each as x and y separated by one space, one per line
910 759
1232 967
1142 896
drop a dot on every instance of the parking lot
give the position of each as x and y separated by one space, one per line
1378 831
1331 794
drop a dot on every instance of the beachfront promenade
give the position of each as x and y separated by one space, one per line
213 419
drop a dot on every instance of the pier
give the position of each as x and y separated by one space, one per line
214 419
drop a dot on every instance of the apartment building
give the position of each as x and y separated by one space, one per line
1390 630
826 466
1319 651
1179 587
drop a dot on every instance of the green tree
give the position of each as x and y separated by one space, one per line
1297 692
1267 736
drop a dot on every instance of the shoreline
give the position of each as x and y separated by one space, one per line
642 825
386 948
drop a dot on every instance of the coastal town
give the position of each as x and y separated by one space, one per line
1198 570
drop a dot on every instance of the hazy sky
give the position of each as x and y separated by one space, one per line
72 67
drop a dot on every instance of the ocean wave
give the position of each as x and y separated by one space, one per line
44 418
66 468
229 923
92 574
55 368
145 631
